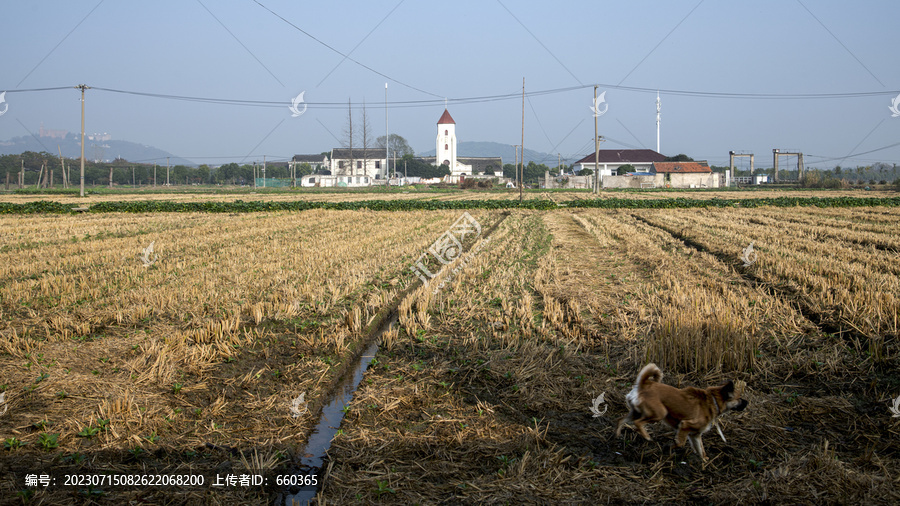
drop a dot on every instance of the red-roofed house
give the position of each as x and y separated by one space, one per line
668 175
685 174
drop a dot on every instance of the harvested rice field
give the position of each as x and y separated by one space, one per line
517 335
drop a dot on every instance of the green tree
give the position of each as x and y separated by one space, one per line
245 174
279 170
624 169
679 158
416 167
180 174
399 147
10 164
534 172
204 174
228 173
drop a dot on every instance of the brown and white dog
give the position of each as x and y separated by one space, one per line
690 411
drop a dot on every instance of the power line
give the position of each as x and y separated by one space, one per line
347 57
40 89
839 42
541 43
510 96
541 125
263 140
493 98
632 134
554 148
360 42
864 139
239 42
855 155
755 96
660 42
60 42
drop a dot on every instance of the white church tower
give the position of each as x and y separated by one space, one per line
445 146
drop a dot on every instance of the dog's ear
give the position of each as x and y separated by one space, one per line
728 390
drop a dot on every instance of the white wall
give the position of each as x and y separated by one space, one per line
332 181
368 168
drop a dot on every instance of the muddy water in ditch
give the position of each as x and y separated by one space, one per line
312 457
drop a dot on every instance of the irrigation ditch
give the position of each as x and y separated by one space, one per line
313 458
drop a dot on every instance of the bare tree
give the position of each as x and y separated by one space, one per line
348 132
366 138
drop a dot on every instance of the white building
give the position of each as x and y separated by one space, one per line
327 181
445 148
358 162
316 162
445 144
611 159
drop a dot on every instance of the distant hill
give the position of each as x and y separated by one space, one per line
106 150
505 151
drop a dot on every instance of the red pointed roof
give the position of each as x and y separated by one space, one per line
446 119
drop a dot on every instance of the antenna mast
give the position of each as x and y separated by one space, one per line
657 121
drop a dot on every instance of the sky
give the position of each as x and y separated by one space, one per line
213 80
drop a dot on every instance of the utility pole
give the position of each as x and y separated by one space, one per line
264 171
523 141
167 171
517 164
596 176
775 155
62 165
82 87
387 137
154 175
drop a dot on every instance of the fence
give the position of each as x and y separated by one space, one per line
271 182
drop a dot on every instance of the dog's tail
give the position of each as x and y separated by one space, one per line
649 373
